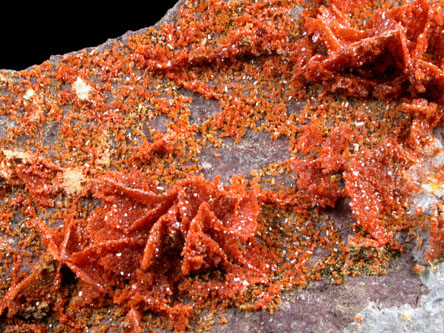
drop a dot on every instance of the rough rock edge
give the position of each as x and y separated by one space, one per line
168 17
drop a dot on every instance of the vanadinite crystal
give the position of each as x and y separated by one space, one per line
199 165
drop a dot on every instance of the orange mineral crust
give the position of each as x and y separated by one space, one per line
146 245
232 154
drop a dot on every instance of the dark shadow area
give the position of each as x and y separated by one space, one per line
31 33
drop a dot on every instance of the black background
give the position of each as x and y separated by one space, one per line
31 33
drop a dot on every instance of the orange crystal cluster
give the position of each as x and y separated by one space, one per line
397 51
144 244
148 249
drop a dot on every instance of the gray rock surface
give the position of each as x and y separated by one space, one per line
426 316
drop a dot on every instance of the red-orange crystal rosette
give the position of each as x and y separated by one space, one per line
145 243
396 49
